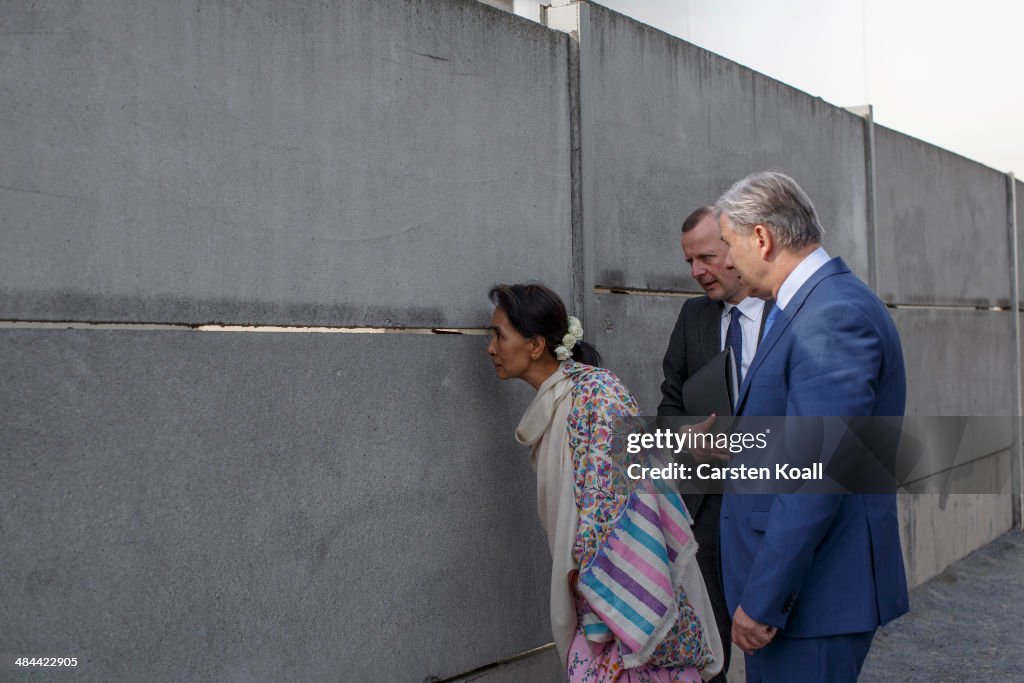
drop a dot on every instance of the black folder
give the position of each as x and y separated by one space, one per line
711 390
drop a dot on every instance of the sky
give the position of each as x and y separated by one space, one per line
949 73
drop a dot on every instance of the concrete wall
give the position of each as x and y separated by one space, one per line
948 247
953 249
952 378
219 506
976 352
202 506
281 164
672 126
634 332
258 506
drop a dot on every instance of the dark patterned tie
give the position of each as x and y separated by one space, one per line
734 341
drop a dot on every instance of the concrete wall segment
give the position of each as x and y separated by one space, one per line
675 125
265 163
220 506
942 235
937 530
956 361
632 333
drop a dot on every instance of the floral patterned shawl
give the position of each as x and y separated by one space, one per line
651 600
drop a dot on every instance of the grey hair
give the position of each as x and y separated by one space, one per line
774 200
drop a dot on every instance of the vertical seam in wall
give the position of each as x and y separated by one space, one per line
872 203
586 176
1018 451
578 291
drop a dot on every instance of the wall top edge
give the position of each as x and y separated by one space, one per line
836 109
932 145
841 110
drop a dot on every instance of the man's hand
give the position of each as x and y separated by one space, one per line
748 634
704 455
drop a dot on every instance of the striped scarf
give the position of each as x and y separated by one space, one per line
636 584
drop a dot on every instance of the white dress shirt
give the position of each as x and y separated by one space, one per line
801 274
751 310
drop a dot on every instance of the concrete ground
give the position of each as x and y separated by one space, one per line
965 624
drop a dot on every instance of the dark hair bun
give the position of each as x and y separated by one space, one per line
536 311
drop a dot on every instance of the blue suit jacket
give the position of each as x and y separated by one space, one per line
816 564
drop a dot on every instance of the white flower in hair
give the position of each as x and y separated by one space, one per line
575 333
575 327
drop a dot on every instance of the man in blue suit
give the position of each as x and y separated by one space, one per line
809 577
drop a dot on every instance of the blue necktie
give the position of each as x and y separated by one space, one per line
772 315
734 341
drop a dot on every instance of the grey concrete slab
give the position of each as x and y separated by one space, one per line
937 530
672 126
265 507
957 360
373 162
631 332
942 233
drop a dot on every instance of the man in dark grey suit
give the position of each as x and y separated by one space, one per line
726 315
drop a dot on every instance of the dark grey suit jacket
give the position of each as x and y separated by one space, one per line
696 339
